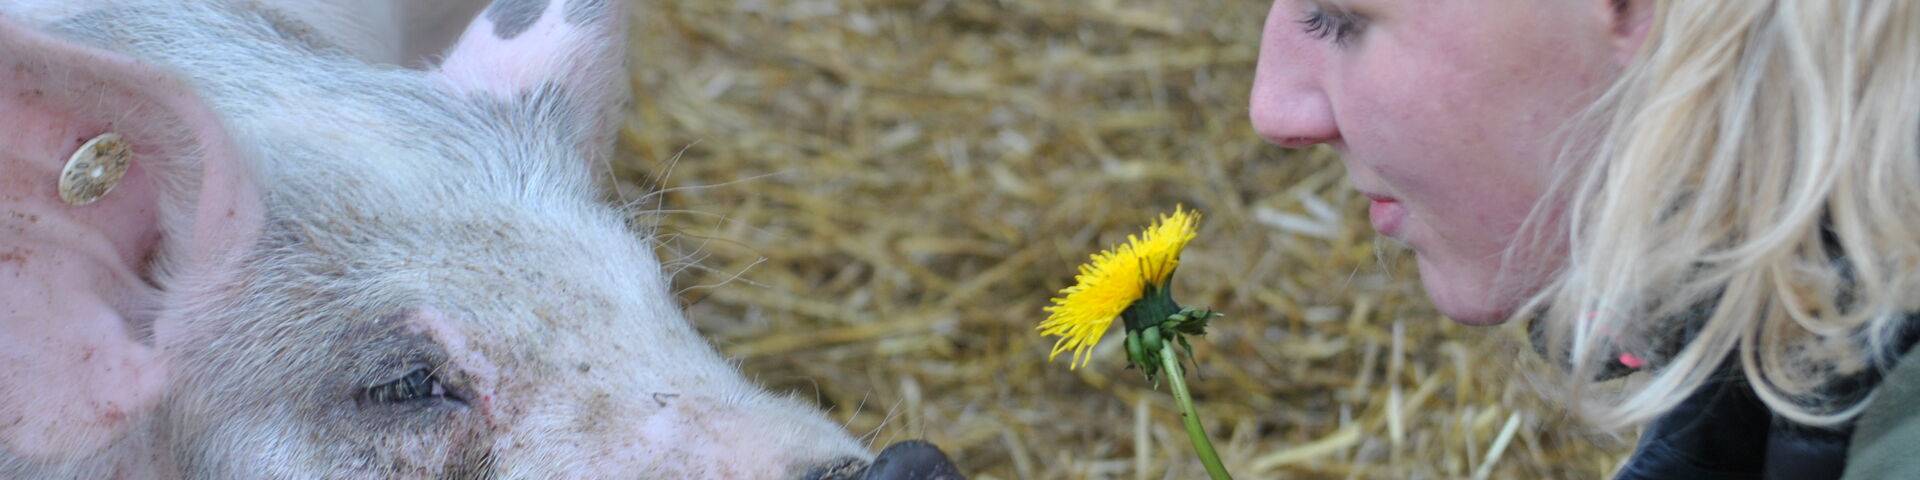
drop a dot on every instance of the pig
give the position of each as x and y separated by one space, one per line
319 264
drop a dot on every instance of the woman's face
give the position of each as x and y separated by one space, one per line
1445 113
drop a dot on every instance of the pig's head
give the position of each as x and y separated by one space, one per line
357 272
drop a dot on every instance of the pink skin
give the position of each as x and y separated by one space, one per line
1445 113
69 273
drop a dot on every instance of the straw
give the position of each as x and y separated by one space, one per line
869 201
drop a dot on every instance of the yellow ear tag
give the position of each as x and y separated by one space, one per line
94 169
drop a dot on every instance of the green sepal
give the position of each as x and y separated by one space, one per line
1192 321
1188 349
1150 341
1134 354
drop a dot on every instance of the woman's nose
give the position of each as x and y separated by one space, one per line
1288 105
1292 118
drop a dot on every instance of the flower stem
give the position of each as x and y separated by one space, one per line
1191 417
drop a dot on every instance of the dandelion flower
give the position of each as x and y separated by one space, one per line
1133 281
1113 280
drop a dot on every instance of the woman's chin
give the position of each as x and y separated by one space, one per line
1465 298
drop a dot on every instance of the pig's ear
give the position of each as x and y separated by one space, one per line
80 305
567 52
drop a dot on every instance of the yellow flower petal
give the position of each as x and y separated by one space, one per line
1114 279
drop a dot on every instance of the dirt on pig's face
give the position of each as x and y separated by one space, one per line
499 338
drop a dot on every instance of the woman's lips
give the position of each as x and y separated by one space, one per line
1386 213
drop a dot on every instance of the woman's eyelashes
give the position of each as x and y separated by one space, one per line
1340 26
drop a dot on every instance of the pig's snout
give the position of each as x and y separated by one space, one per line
909 460
912 460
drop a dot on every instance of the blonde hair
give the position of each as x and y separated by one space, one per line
1750 184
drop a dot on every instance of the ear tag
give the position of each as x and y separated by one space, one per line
94 169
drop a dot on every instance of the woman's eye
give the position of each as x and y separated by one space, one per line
1339 26
419 384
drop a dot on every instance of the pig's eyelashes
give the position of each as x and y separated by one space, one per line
420 384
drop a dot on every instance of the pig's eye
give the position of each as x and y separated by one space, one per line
420 384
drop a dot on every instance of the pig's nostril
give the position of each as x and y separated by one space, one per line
913 460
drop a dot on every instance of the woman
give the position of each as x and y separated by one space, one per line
1725 195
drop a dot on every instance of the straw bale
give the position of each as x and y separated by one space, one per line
869 201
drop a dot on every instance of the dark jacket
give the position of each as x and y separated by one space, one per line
1724 432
